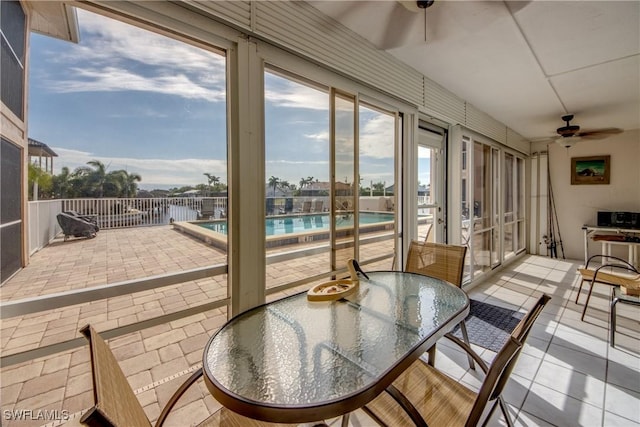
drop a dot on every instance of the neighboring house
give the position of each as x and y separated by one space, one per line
38 151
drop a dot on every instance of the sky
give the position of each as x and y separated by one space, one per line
151 105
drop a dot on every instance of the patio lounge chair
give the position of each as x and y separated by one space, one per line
76 226
208 209
306 206
93 219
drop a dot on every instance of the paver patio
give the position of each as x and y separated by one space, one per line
157 359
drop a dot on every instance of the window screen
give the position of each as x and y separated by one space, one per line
12 19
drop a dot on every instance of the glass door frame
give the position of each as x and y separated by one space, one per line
438 201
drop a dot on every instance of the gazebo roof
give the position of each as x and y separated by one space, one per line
37 148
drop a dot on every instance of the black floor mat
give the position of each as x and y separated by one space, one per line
488 325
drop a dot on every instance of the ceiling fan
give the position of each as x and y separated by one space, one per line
417 6
570 134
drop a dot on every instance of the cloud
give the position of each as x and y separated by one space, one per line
377 137
117 79
155 173
298 96
320 136
114 56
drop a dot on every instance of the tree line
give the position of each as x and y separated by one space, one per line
91 181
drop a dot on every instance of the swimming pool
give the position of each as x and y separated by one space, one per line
291 224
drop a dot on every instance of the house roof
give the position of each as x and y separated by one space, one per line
37 148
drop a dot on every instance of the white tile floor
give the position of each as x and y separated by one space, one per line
567 374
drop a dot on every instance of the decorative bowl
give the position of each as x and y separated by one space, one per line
332 290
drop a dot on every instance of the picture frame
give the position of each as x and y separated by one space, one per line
593 170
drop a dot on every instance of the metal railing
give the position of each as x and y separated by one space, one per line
135 212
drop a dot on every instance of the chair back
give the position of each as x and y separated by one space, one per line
115 402
438 260
504 362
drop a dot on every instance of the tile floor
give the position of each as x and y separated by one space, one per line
567 375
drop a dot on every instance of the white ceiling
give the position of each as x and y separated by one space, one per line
526 63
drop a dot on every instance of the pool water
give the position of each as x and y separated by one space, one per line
301 223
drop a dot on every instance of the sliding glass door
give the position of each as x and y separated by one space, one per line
492 197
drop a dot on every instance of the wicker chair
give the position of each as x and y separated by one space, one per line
608 263
444 262
117 406
439 400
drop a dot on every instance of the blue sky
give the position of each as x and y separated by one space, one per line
148 104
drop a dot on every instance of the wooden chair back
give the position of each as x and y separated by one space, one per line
504 362
115 402
438 260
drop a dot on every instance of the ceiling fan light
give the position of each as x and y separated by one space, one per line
568 141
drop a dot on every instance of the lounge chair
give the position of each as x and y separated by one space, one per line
93 219
306 206
76 226
208 209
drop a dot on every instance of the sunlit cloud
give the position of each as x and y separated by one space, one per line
377 137
298 162
116 79
114 56
295 95
320 136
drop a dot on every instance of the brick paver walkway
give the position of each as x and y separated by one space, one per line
62 382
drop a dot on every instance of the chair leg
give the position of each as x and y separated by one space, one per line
465 337
579 290
586 303
432 356
505 411
491 411
345 420
612 321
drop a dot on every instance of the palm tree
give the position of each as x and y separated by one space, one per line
43 179
128 182
379 187
273 182
91 180
62 184
212 179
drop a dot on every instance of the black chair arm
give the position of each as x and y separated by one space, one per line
628 267
620 260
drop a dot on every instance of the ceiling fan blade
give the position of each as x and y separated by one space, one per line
599 133
401 28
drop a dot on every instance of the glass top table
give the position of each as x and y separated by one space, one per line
296 361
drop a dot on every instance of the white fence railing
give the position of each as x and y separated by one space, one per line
135 212
43 226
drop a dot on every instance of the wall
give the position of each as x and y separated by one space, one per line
578 204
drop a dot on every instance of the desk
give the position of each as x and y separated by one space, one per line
296 361
606 244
